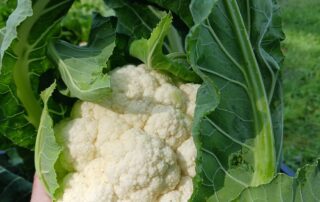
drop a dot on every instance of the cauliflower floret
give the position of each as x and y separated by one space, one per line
181 194
88 185
135 120
135 146
74 187
134 82
168 94
140 166
110 128
82 109
190 91
91 110
139 89
186 157
77 137
170 125
98 186
133 89
122 104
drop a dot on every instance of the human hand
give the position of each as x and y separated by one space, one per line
38 192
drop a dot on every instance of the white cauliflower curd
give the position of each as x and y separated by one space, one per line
135 146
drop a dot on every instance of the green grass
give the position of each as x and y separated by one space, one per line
301 78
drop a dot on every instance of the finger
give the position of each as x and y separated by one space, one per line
38 192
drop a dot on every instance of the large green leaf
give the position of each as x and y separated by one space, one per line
13 188
23 60
82 68
303 188
47 150
237 45
150 52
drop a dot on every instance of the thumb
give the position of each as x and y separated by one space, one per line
38 192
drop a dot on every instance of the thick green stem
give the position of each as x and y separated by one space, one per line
21 69
264 148
25 92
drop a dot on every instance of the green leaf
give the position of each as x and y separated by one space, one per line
2 31
179 7
76 25
303 188
18 161
236 44
13 188
23 10
137 19
6 8
82 68
121 55
47 150
134 19
23 61
182 21
208 99
150 52
5 143
201 11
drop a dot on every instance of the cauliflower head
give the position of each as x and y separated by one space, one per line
135 146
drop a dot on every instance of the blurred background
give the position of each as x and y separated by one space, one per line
301 81
301 78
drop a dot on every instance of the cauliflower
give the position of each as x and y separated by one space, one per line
187 156
182 192
173 132
135 146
